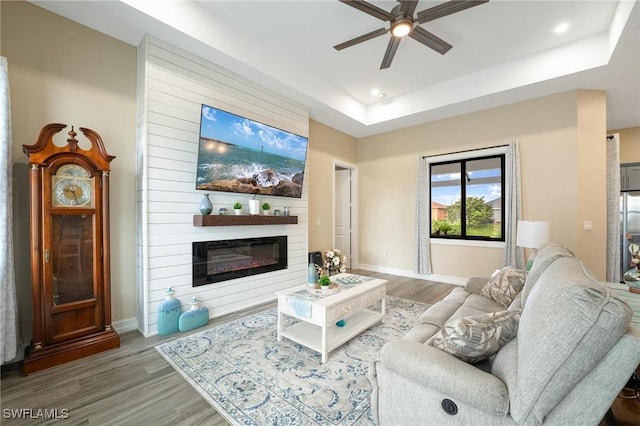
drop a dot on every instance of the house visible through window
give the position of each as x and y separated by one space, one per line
467 198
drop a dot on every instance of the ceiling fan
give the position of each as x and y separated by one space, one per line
403 23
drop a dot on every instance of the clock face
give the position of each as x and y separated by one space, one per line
72 187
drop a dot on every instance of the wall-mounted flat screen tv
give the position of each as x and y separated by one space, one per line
237 154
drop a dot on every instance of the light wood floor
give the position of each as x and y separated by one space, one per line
133 385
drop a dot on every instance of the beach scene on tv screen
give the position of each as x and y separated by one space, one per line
236 154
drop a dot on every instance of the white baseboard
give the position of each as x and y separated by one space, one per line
122 326
410 274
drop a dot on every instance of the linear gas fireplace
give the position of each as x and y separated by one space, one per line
215 261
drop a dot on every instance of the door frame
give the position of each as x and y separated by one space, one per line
354 208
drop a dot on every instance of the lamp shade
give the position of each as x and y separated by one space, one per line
532 234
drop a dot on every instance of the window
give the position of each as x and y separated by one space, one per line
467 198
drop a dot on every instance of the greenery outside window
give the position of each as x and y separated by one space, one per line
467 198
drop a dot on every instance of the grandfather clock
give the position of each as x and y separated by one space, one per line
70 264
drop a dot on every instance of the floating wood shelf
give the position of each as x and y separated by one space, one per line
233 220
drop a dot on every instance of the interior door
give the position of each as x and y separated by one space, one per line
342 223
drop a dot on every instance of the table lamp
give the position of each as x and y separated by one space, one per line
533 235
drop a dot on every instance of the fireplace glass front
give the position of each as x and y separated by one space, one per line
215 261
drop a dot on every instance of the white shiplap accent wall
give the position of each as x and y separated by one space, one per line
172 85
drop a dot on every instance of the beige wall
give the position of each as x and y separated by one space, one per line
629 144
325 145
592 179
62 72
553 158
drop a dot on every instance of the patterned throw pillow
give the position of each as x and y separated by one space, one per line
475 338
504 285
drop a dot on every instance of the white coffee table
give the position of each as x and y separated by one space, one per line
317 329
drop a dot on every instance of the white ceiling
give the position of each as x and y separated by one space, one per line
503 51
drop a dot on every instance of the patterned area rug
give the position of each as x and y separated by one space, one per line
252 379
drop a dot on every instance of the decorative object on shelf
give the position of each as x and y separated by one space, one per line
205 205
285 211
169 313
312 275
237 207
324 281
222 211
341 323
196 316
326 286
276 212
632 276
334 262
265 209
254 207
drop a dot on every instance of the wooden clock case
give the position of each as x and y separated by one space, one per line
70 260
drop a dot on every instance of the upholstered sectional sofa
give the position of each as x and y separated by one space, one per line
571 354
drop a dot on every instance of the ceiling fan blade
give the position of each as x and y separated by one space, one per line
360 39
394 42
408 7
447 8
370 9
430 40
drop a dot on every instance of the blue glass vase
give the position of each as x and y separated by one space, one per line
169 313
205 205
195 317
312 275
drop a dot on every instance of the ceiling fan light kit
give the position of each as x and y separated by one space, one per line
402 23
401 27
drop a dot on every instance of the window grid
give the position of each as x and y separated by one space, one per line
463 182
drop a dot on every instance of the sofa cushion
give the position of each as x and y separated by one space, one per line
568 325
421 332
504 285
475 338
439 313
545 256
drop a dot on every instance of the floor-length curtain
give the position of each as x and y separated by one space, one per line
513 255
8 306
423 219
613 209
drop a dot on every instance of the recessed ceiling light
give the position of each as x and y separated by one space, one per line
377 93
561 28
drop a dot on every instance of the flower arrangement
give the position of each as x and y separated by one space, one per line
634 249
632 276
334 261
